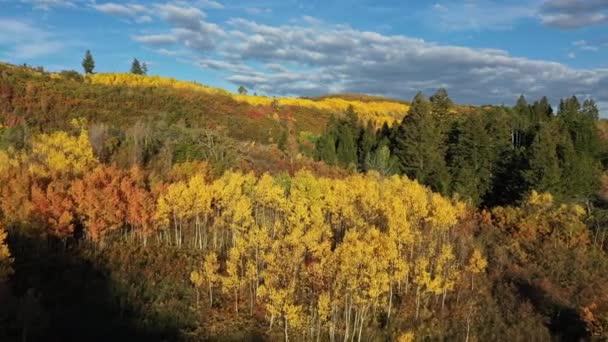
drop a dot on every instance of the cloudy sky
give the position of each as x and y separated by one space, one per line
483 51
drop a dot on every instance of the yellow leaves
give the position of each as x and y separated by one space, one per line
363 265
540 218
378 111
269 194
477 262
406 337
543 200
196 278
183 200
5 256
59 153
209 272
324 306
149 81
443 213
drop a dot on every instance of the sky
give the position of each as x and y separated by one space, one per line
482 51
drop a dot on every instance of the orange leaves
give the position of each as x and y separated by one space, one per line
55 207
100 202
140 203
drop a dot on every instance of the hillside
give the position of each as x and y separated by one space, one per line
144 208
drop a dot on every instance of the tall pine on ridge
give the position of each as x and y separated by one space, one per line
420 147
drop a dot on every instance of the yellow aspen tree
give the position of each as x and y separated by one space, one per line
232 281
200 194
208 275
197 280
5 256
477 264
59 153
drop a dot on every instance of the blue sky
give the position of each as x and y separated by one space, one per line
483 51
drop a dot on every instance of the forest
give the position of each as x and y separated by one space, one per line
137 207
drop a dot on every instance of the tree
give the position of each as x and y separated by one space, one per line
144 68
242 90
136 67
544 173
5 256
100 202
441 104
55 207
472 158
420 147
88 63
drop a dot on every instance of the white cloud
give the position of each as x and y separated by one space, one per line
209 4
48 4
25 41
573 14
136 12
181 16
313 58
157 39
478 15
257 10
189 28
583 45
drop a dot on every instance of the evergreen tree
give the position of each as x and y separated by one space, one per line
581 124
541 110
381 161
580 172
441 104
521 122
346 148
365 144
144 68
420 147
88 63
325 147
473 156
282 142
136 67
544 173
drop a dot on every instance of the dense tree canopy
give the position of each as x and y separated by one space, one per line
446 225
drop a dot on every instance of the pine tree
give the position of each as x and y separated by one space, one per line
144 68
544 173
88 63
136 67
420 147
346 146
326 149
521 122
473 156
441 104
541 110
365 144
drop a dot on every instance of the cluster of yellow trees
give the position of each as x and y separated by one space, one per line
320 256
377 111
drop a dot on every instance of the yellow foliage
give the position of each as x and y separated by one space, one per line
5 256
543 200
378 111
60 153
477 262
406 337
